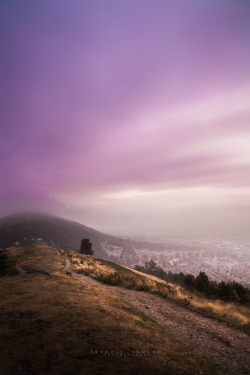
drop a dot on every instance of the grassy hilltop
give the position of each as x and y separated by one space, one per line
53 324
113 274
26 227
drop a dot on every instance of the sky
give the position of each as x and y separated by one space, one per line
127 116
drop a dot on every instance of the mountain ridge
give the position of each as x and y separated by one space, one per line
63 233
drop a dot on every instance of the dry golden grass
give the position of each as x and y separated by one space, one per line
238 315
54 324
37 257
228 310
113 274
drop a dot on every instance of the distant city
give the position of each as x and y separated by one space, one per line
222 258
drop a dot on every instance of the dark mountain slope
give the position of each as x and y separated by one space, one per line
60 233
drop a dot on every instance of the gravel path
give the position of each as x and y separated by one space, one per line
226 346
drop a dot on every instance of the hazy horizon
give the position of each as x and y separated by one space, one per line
128 117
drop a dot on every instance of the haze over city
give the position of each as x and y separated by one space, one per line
129 117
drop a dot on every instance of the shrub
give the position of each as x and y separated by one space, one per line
3 263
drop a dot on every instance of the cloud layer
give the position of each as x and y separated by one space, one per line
110 104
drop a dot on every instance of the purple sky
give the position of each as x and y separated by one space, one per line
127 115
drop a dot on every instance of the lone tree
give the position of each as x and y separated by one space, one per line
86 247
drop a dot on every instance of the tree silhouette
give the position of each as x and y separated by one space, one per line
86 247
202 282
189 281
3 263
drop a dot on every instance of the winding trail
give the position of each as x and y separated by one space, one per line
19 269
225 345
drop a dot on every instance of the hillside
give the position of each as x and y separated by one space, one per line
63 233
57 320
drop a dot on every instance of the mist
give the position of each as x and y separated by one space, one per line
124 127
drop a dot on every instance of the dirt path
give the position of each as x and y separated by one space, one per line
77 276
226 346
19 269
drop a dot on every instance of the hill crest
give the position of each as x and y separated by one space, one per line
74 322
63 233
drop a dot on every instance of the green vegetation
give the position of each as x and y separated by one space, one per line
86 247
228 292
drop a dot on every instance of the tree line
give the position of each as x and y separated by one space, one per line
226 291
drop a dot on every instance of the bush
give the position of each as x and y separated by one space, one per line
111 279
3 263
231 291
202 283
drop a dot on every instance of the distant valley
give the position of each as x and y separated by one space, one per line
222 259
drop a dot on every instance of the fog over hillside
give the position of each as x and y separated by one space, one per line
125 127
222 258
